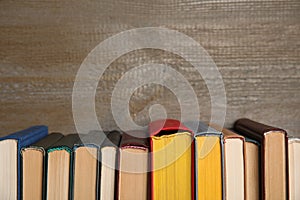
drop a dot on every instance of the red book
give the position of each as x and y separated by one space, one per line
172 160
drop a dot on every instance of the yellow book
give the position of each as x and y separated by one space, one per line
171 148
209 164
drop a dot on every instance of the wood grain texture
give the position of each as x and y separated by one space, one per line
255 45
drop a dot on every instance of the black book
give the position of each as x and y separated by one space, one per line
109 158
86 165
33 167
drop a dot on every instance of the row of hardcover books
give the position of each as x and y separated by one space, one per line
170 161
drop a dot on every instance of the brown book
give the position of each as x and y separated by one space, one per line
273 156
251 162
233 164
134 166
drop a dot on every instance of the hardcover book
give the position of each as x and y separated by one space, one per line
134 166
33 166
233 164
294 167
273 156
59 168
10 164
86 166
209 163
109 165
251 156
171 146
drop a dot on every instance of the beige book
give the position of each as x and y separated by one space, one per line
33 167
234 164
8 169
134 166
294 168
85 173
109 163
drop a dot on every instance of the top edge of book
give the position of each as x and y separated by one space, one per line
292 139
158 126
252 141
112 139
27 133
65 143
256 126
92 139
255 130
134 138
229 133
45 142
203 129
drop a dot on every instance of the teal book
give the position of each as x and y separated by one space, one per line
10 164
59 168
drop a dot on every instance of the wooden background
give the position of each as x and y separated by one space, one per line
255 45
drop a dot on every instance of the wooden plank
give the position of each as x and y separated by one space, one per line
255 45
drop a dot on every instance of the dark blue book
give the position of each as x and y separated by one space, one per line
10 165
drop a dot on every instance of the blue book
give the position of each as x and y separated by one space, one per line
10 165
209 161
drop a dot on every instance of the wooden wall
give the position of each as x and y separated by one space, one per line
255 45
